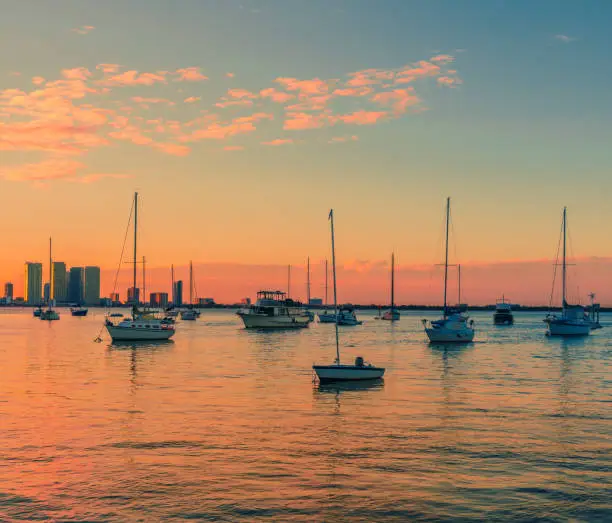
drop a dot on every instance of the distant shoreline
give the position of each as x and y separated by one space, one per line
516 308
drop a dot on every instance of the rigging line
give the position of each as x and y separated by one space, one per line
556 264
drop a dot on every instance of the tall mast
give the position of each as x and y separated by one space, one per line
446 256
50 263
326 280
288 281
172 290
564 250
331 217
459 278
144 281
190 282
135 239
308 281
392 281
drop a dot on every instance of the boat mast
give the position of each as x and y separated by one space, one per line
308 281
288 281
392 281
190 282
326 280
135 242
331 217
459 279
564 264
172 290
50 263
446 256
144 282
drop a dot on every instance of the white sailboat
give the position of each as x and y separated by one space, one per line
572 321
392 314
311 314
454 327
338 371
49 314
144 325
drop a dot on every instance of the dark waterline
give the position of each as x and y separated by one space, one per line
224 424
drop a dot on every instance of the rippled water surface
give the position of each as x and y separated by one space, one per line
224 424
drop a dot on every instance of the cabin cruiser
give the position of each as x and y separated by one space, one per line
273 310
453 327
346 316
37 311
189 314
77 310
503 313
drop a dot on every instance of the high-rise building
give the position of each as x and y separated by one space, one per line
159 299
133 296
177 293
114 297
33 283
75 285
58 282
8 291
92 285
47 292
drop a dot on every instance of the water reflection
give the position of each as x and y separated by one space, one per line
345 386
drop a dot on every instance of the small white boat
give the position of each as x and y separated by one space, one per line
454 327
337 371
273 310
572 321
392 314
348 317
143 325
189 315
327 317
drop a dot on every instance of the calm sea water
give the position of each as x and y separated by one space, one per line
225 424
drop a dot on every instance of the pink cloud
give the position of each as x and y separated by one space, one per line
78 73
369 77
230 75
233 148
241 94
449 81
38 80
173 149
230 103
399 99
84 29
421 69
276 96
353 91
217 131
443 59
342 139
278 141
50 169
362 117
108 68
256 117
192 99
131 78
189 74
299 121
306 87
143 100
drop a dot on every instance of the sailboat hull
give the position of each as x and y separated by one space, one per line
261 321
136 334
331 373
568 329
391 316
443 335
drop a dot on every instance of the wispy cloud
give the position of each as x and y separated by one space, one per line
83 30
565 39
189 74
192 99
278 141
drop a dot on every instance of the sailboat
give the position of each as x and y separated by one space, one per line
572 321
338 371
454 326
171 312
190 314
143 325
392 314
49 314
592 315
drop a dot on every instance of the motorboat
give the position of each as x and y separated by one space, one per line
503 313
572 321
78 311
273 310
189 315
454 326
347 316
338 371
37 311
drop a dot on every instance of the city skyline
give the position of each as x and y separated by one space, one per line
388 110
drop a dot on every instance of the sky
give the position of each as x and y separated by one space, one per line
242 122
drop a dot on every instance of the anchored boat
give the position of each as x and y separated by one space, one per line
273 310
